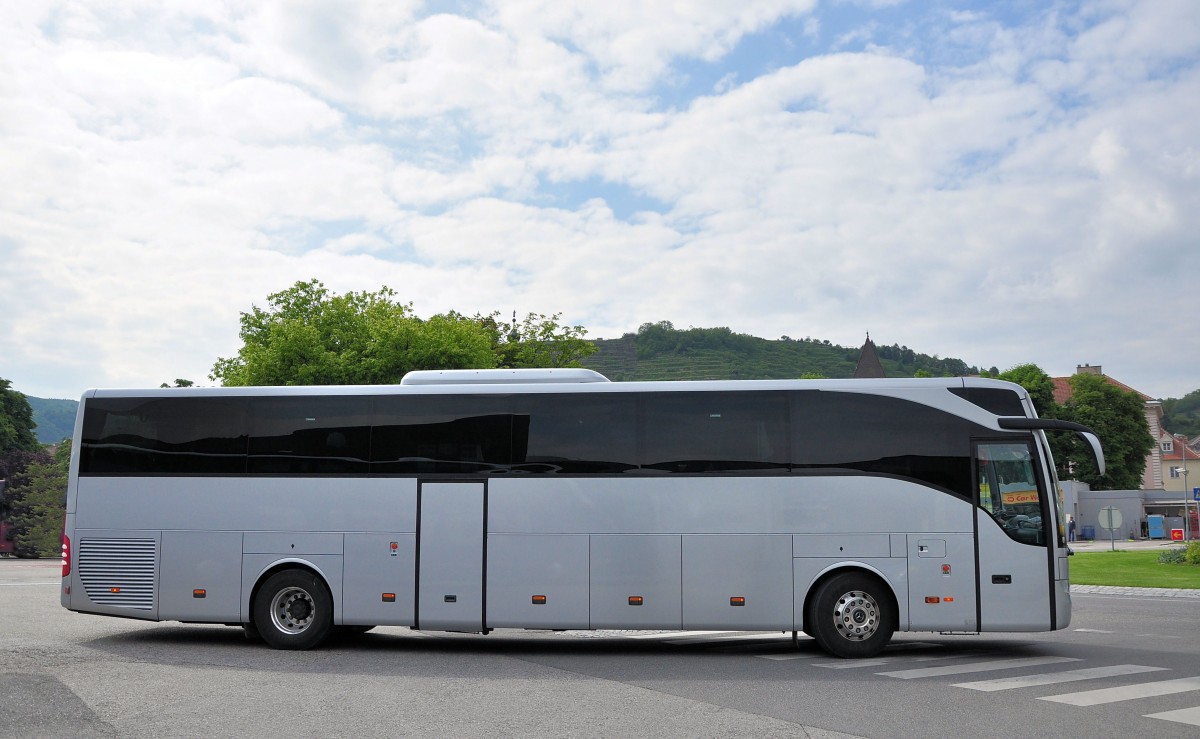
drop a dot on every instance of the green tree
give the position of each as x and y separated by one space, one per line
16 420
1039 385
1118 418
536 341
1182 415
309 336
36 498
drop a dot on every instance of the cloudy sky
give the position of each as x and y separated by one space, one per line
1002 182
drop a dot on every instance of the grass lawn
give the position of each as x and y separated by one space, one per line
1138 569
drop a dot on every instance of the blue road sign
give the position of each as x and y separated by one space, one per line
1196 494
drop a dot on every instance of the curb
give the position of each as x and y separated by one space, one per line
1142 592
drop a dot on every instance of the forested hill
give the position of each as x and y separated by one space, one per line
55 418
659 351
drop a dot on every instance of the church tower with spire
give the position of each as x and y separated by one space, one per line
868 361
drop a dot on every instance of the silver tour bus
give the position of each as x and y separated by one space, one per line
553 499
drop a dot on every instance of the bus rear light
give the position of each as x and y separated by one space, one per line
539 600
635 600
737 600
66 556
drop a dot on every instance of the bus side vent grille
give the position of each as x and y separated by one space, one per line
119 572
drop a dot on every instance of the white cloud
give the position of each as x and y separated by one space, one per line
633 42
167 166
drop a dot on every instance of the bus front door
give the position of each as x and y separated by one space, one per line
1015 570
450 536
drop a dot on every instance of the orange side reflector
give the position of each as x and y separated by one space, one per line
389 597
932 599
635 600
947 600
199 593
737 600
114 590
539 600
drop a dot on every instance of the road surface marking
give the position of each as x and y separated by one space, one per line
1126 692
1189 716
993 664
1089 673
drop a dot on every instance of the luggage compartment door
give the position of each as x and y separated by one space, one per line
450 556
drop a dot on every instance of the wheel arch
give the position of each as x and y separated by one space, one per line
291 563
840 568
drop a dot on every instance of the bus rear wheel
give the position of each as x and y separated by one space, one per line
851 615
293 610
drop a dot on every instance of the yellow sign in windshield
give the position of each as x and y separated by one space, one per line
1014 497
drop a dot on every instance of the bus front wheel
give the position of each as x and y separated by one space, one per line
293 610
851 615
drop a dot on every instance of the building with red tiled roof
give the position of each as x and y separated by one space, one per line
1062 385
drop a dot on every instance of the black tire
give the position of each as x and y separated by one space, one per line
293 610
851 615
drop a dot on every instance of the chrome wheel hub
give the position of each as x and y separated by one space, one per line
292 610
856 615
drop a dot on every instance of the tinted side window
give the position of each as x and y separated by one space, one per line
994 400
715 432
422 434
881 435
314 435
162 436
574 433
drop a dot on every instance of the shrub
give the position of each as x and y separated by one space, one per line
1193 553
1172 557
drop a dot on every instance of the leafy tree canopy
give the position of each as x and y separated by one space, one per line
1117 417
308 335
16 420
1039 385
35 500
1182 415
536 341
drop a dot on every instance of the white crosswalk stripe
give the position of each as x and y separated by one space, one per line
985 666
1052 678
897 654
1126 692
853 664
1189 716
